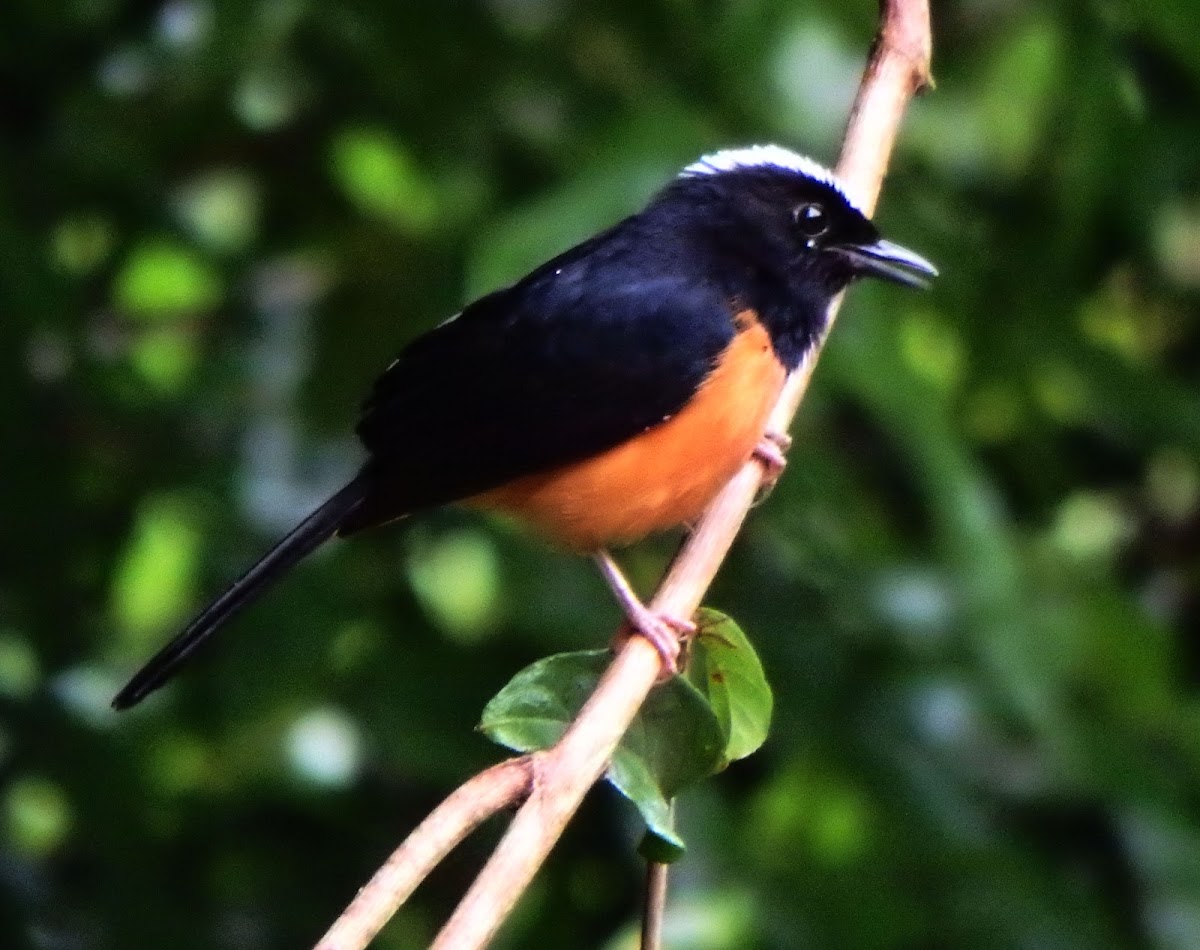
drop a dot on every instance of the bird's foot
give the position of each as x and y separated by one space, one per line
771 452
665 632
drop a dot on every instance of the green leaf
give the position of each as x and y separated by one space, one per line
658 848
82 242
155 579
165 358
221 208
725 669
20 670
533 709
37 815
456 577
162 279
674 741
379 175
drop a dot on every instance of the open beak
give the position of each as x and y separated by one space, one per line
888 261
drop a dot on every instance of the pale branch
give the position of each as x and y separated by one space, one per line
560 776
502 786
565 773
655 910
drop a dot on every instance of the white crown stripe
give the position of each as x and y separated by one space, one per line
760 156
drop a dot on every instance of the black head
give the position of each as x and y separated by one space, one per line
782 233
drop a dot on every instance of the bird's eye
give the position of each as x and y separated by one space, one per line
811 220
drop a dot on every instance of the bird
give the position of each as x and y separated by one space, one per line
611 392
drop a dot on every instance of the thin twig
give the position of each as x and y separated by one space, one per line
656 905
898 68
501 786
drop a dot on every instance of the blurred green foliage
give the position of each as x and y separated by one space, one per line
975 591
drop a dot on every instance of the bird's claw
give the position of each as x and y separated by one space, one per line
665 632
771 453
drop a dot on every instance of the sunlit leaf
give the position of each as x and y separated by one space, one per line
162 279
20 670
377 173
456 577
37 815
220 208
724 667
155 580
165 358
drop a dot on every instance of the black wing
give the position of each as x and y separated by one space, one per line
584 353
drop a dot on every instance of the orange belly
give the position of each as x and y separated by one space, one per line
668 474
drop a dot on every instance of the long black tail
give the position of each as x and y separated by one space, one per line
305 538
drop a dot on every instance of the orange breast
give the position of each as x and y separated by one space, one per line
666 475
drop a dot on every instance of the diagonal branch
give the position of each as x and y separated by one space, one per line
560 776
470 805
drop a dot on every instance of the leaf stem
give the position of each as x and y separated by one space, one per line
655 909
656 905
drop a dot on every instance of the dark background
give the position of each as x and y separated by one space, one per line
975 589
